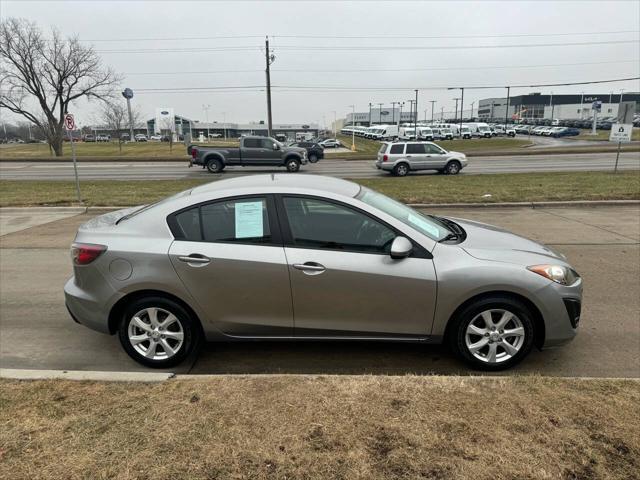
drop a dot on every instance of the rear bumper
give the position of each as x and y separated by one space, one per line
84 309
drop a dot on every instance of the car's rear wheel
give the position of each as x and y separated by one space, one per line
158 332
293 165
313 158
453 167
401 170
493 333
214 165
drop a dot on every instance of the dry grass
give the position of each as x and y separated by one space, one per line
507 187
308 427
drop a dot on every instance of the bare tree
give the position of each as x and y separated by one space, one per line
116 118
169 127
41 76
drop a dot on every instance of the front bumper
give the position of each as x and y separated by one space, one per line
561 305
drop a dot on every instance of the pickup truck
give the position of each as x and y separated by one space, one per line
253 151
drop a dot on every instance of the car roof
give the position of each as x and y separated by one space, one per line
285 181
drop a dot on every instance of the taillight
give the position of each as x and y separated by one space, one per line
385 158
85 253
194 152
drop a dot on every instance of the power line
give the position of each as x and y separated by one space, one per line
420 69
346 37
367 48
448 47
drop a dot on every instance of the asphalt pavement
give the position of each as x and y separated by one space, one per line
122 170
603 243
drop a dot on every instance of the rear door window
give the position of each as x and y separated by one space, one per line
416 148
251 143
398 148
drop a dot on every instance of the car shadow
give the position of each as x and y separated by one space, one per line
328 358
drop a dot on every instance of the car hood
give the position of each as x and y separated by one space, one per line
487 242
457 154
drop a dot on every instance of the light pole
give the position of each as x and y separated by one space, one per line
335 124
415 122
380 113
393 113
353 132
370 124
442 114
551 104
506 109
224 122
455 118
471 116
400 104
206 112
433 102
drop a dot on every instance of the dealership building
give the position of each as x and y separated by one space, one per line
379 116
562 106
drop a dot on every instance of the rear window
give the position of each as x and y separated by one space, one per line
383 148
397 148
415 148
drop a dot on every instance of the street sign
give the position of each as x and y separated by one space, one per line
127 93
69 122
626 111
621 132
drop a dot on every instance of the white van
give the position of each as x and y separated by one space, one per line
407 133
385 132
479 129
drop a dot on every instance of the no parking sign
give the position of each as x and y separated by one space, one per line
69 122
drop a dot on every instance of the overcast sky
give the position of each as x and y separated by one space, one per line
133 38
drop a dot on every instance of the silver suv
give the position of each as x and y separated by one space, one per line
400 158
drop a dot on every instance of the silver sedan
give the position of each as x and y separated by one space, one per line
275 257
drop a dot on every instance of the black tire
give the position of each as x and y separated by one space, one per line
192 334
457 332
401 170
313 158
293 165
453 167
214 166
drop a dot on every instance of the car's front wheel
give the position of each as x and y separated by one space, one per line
158 332
453 167
313 158
293 165
493 333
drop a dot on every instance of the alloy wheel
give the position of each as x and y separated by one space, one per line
495 336
155 333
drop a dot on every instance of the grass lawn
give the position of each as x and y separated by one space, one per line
321 427
508 187
104 149
370 147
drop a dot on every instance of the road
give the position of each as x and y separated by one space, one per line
338 168
603 244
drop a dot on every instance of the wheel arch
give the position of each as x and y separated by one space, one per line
211 156
115 314
538 319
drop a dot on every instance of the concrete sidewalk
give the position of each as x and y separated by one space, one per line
603 243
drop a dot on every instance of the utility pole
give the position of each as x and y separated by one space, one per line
393 113
206 112
335 124
370 122
455 118
269 59
400 104
353 132
442 114
551 103
415 122
472 104
380 113
461 109
433 102
224 121
506 110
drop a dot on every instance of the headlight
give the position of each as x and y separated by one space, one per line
556 273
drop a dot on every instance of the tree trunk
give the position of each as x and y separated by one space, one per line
56 145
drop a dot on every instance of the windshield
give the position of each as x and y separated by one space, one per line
407 215
483 129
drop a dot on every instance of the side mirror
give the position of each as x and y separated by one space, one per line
401 248
276 146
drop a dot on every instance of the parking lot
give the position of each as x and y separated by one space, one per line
603 243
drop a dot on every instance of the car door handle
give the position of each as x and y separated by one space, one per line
409 156
195 258
309 267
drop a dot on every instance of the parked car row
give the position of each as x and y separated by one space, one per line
547 131
429 131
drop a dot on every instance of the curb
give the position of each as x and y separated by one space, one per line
24 374
570 203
